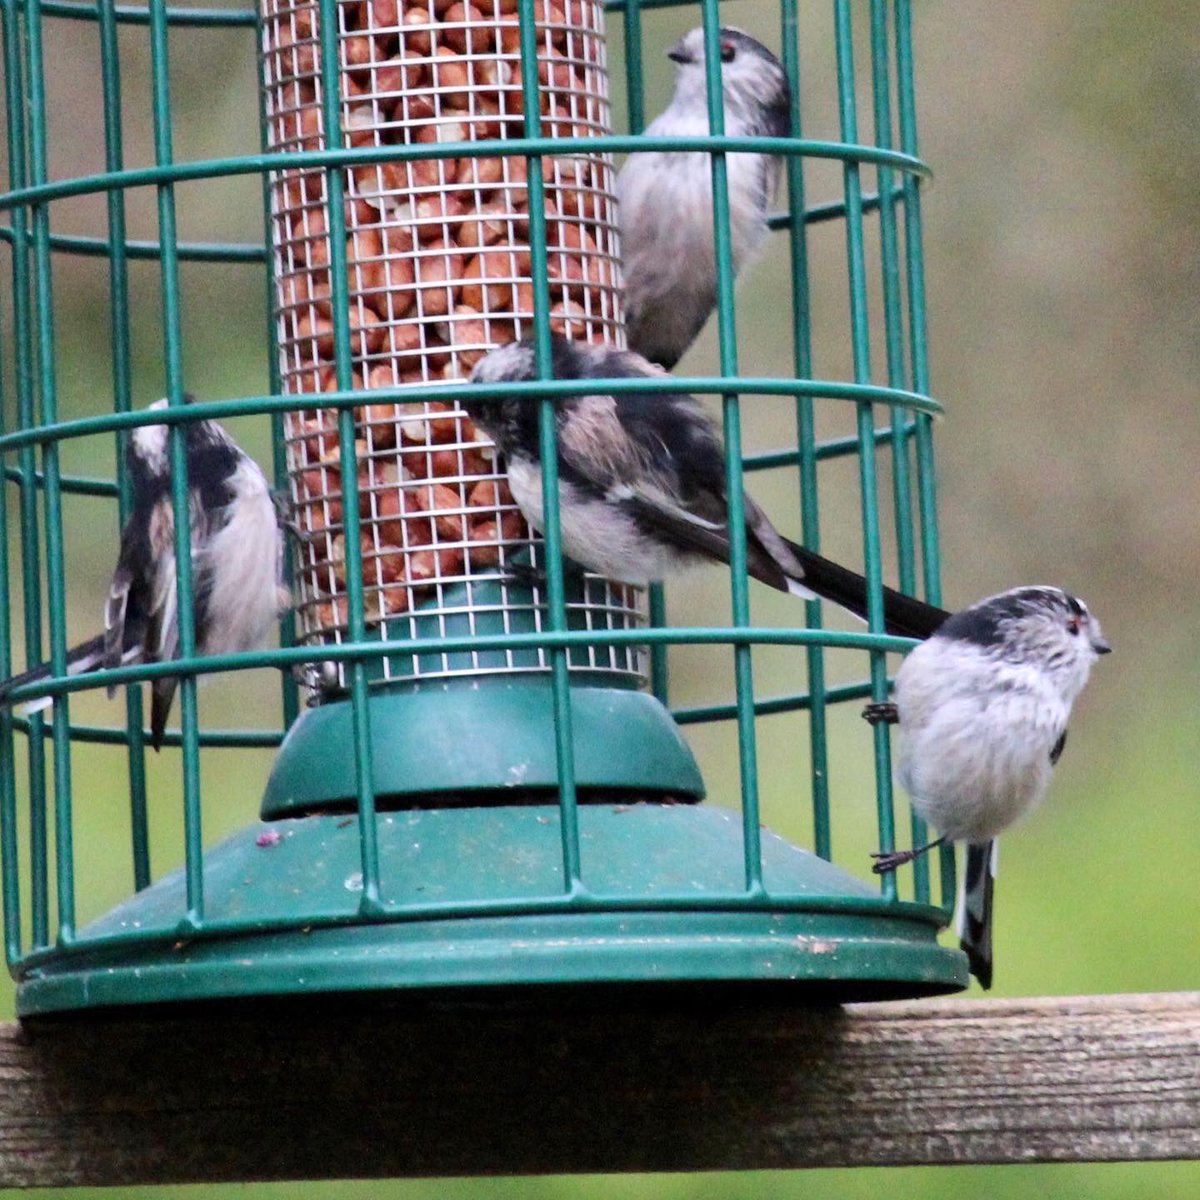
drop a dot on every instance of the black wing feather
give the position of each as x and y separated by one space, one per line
1058 747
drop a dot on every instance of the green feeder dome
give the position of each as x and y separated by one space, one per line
482 776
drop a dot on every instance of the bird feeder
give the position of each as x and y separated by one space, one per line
488 785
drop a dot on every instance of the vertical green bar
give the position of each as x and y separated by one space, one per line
915 263
636 108
27 466
635 99
894 338
9 862
805 432
731 422
556 606
892 309
173 358
64 857
359 699
118 284
860 332
287 632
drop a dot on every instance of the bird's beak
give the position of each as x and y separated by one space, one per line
1101 646
678 54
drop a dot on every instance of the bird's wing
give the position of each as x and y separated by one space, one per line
162 635
759 526
772 168
162 632
115 612
595 445
660 459
162 696
696 531
1058 747
777 122
632 449
689 530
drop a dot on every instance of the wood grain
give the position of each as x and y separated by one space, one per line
603 1080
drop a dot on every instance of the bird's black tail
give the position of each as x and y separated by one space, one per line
975 909
87 656
903 616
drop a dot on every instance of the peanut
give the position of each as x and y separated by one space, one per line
414 36
456 34
479 289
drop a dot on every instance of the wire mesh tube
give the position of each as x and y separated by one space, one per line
438 266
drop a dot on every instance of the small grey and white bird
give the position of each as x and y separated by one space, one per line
642 488
665 197
983 707
237 549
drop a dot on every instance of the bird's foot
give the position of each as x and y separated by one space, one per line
285 515
885 713
524 574
889 862
886 861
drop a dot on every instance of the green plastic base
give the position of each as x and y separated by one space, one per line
473 898
624 741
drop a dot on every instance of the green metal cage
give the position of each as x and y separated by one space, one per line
396 848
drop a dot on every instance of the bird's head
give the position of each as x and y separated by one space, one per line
149 445
1043 627
752 78
500 418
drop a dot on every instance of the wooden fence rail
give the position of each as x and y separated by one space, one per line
615 1081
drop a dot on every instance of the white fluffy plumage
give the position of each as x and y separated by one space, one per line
984 703
665 197
983 707
237 562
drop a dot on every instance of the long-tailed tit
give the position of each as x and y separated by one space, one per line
983 707
642 490
237 563
665 197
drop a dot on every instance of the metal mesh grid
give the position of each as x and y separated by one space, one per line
439 272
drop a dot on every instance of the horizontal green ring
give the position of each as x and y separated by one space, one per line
841 447
769 460
769 706
218 410
832 210
104 735
578 902
174 173
247 252
110 735
287 656
75 485
96 247
239 17
126 14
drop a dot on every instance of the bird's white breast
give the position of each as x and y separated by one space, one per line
674 257
595 534
242 562
976 737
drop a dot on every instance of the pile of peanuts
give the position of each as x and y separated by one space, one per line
438 266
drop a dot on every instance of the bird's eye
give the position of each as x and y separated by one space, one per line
1074 624
727 51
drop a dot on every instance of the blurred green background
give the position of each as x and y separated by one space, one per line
1063 261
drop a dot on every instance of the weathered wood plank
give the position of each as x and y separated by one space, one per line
612 1081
